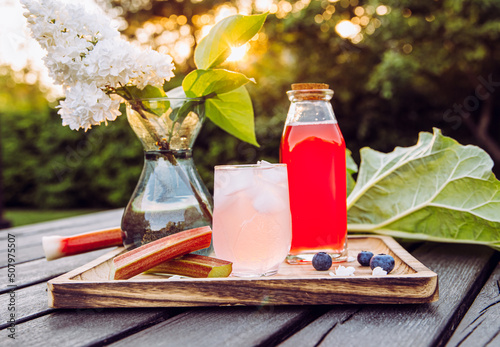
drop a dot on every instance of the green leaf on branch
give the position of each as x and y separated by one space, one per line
230 32
219 81
233 112
352 168
437 190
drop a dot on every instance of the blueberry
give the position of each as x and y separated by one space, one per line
322 261
364 258
384 261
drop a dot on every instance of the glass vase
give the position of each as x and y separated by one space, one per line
170 196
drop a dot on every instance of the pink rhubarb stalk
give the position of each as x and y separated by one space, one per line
56 247
194 265
143 258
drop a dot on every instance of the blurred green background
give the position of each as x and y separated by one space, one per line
397 68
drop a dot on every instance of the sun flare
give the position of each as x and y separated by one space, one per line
238 53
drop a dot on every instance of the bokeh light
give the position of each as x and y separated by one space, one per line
382 10
177 34
347 29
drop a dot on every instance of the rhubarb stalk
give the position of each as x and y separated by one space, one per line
143 258
56 246
194 265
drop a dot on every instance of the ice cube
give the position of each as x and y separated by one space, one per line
275 174
268 200
264 163
230 182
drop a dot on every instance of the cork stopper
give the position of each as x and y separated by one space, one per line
310 91
309 86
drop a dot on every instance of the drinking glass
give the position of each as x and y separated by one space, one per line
251 220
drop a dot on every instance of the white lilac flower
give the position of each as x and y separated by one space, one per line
64 61
87 57
86 105
378 271
154 68
111 63
343 271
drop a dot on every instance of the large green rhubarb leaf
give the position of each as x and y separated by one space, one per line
352 168
437 190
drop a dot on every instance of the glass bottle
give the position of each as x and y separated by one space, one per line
313 148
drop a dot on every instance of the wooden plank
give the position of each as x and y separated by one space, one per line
102 219
42 270
481 324
410 282
228 326
24 252
314 332
27 303
37 324
83 327
459 267
28 240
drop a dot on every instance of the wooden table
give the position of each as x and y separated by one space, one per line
467 313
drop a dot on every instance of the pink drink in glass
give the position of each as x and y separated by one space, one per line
252 221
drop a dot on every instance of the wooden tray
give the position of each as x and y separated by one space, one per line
409 282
